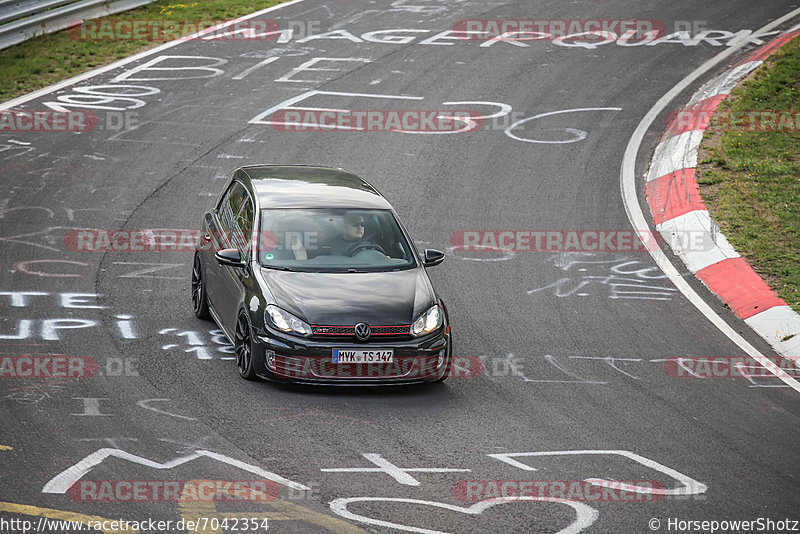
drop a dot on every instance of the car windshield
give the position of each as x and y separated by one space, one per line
332 240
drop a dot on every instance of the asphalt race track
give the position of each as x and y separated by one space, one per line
572 345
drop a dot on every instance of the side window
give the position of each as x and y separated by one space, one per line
243 234
230 205
238 196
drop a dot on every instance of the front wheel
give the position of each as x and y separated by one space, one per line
243 343
199 298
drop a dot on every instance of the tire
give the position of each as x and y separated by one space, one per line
243 343
199 298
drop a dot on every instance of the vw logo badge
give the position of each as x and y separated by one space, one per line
362 331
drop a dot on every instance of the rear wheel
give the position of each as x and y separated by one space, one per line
199 299
243 343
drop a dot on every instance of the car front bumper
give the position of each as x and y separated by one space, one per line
283 358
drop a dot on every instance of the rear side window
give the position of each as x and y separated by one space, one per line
242 234
230 205
236 216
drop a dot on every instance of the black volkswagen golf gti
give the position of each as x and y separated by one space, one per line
313 278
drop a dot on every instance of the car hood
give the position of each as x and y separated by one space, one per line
383 298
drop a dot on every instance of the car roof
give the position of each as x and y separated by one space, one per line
306 186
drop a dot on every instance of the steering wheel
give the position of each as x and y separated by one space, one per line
364 245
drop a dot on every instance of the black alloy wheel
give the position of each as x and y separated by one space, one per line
199 299
243 343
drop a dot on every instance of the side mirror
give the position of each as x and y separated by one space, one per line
230 257
432 257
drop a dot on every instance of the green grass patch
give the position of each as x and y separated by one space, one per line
750 180
50 58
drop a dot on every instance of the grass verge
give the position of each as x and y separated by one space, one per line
750 180
53 57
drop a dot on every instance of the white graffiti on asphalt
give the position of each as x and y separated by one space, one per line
624 277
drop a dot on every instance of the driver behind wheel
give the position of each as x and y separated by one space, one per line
351 232
351 235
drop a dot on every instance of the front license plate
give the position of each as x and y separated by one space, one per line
362 356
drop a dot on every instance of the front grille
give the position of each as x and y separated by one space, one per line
333 330
348 332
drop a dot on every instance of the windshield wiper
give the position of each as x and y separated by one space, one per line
280 268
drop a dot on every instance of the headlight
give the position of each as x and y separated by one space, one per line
286 322
428 322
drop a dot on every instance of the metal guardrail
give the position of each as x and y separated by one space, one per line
22 19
